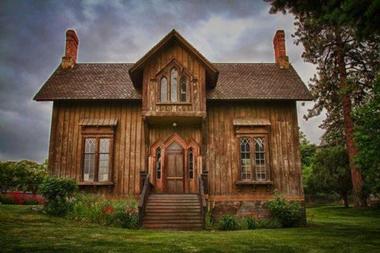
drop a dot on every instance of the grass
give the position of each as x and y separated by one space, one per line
330 229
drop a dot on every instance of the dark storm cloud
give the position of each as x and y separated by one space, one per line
32 35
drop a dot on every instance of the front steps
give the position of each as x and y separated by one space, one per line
173 211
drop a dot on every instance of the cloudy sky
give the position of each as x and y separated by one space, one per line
32 36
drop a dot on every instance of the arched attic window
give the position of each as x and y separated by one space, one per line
183 89
173 85
163 89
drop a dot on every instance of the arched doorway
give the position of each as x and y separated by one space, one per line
174 171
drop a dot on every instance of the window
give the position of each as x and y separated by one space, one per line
245 159
183 89
173 86
253 148
164 89
190 160
158 163
96 167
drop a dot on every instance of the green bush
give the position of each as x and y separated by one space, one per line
58 193
23 175
228 222
96 209
6 200
250 222
289 214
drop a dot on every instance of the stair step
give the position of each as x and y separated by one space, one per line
153 221
174 226
174 200
173 205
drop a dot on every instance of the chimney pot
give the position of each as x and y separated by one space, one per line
280 56
71 50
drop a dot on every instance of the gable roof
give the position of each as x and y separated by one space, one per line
111 81
136 71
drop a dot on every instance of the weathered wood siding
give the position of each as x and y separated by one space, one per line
222 159
65 149
197 87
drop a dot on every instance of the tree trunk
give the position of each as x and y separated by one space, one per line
345 199
357 181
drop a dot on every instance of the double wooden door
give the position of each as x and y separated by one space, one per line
175 175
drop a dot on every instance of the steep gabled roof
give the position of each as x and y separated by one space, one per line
136 71
111 81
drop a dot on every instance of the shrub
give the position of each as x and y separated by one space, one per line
58 193
228 222
289 214
4 199
96 209
23 175
250 222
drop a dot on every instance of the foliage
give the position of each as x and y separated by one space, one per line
289 214
361 15
268 223
346 68
251 222
307 154
96 209
23 175
330 173
367 137
58 193
229 222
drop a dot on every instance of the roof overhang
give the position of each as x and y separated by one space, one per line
136 72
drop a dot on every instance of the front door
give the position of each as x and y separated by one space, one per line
174 169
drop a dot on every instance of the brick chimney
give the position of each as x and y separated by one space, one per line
71 51
280 56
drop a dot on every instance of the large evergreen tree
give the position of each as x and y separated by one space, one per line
346 66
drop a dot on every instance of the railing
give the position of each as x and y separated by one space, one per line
202 196
146 188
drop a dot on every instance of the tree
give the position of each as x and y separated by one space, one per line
307 155
367 136
331 172
346 67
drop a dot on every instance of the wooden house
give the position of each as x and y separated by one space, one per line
178 131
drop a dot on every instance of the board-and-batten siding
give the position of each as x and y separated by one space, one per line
65 149
223 149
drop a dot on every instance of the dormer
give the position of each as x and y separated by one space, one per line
173 78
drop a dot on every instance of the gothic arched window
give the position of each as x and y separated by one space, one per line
183 89
190 161
163 89
173 85
158 163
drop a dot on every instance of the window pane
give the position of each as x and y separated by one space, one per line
260 167
173 85
158 163
245 159
89 159
183 89
191 163
163 90
103 174
104 145
89 167
90 145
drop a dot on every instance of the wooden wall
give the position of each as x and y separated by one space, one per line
223 149
197 87
66 146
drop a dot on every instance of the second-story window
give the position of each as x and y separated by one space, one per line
163 89
173 87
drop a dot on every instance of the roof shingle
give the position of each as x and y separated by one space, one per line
111 81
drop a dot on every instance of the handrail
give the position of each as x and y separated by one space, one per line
203 201
147 186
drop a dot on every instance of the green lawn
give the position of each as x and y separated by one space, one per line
330 229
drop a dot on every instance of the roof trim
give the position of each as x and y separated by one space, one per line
136 71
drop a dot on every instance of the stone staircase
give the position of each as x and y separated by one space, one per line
173 211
